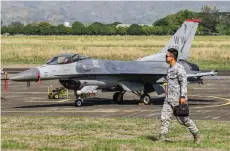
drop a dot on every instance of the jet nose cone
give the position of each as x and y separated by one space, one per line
27 75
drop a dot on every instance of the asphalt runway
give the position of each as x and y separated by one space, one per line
210 101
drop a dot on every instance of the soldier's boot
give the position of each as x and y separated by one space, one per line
196 137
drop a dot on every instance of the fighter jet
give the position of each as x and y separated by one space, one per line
85 75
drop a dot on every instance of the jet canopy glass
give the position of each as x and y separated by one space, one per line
66 59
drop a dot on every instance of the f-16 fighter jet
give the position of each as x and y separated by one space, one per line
85 75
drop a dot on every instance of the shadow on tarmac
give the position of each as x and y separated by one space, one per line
101 101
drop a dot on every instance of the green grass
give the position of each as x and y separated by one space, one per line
47 148
11 144
212 64
84 133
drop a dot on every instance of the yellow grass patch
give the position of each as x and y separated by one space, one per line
38 49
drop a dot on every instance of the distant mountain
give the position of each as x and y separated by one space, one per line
126 12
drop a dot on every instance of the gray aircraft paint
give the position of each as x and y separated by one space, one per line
87 74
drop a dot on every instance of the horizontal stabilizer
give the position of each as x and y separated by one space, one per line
201 74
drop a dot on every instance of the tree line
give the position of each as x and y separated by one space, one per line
212 22
96 28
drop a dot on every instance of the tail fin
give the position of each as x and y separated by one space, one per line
181 40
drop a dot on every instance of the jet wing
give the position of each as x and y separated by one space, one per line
153 72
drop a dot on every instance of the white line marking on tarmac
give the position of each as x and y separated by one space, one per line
207 116
134 110
52 101
112 114
61 111
216 117
43 101
153 114
205 88
119 114
65 100
131 114
141 114
54 109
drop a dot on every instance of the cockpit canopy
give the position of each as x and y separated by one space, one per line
66 59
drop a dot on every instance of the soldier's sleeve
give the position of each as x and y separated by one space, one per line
182 78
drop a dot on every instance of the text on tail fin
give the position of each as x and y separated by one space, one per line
183 38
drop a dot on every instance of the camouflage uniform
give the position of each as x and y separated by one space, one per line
177 87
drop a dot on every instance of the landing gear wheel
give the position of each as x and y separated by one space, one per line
78 103
115 96
56 96
145 98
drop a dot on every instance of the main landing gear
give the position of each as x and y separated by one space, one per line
118 97
144 97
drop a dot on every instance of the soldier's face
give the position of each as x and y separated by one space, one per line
169 57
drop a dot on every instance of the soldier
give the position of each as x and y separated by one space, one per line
176 93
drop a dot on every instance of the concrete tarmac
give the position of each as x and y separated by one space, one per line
210 101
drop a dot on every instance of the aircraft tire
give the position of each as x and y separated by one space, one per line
78 103
145 98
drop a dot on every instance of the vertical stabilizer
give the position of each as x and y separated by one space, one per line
181 40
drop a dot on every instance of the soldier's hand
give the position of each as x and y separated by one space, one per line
182 100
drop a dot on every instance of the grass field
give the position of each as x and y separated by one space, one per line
210 52
84 133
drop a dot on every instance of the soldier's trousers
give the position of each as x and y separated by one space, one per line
166 114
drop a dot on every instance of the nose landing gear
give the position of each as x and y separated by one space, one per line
78 102
145 98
